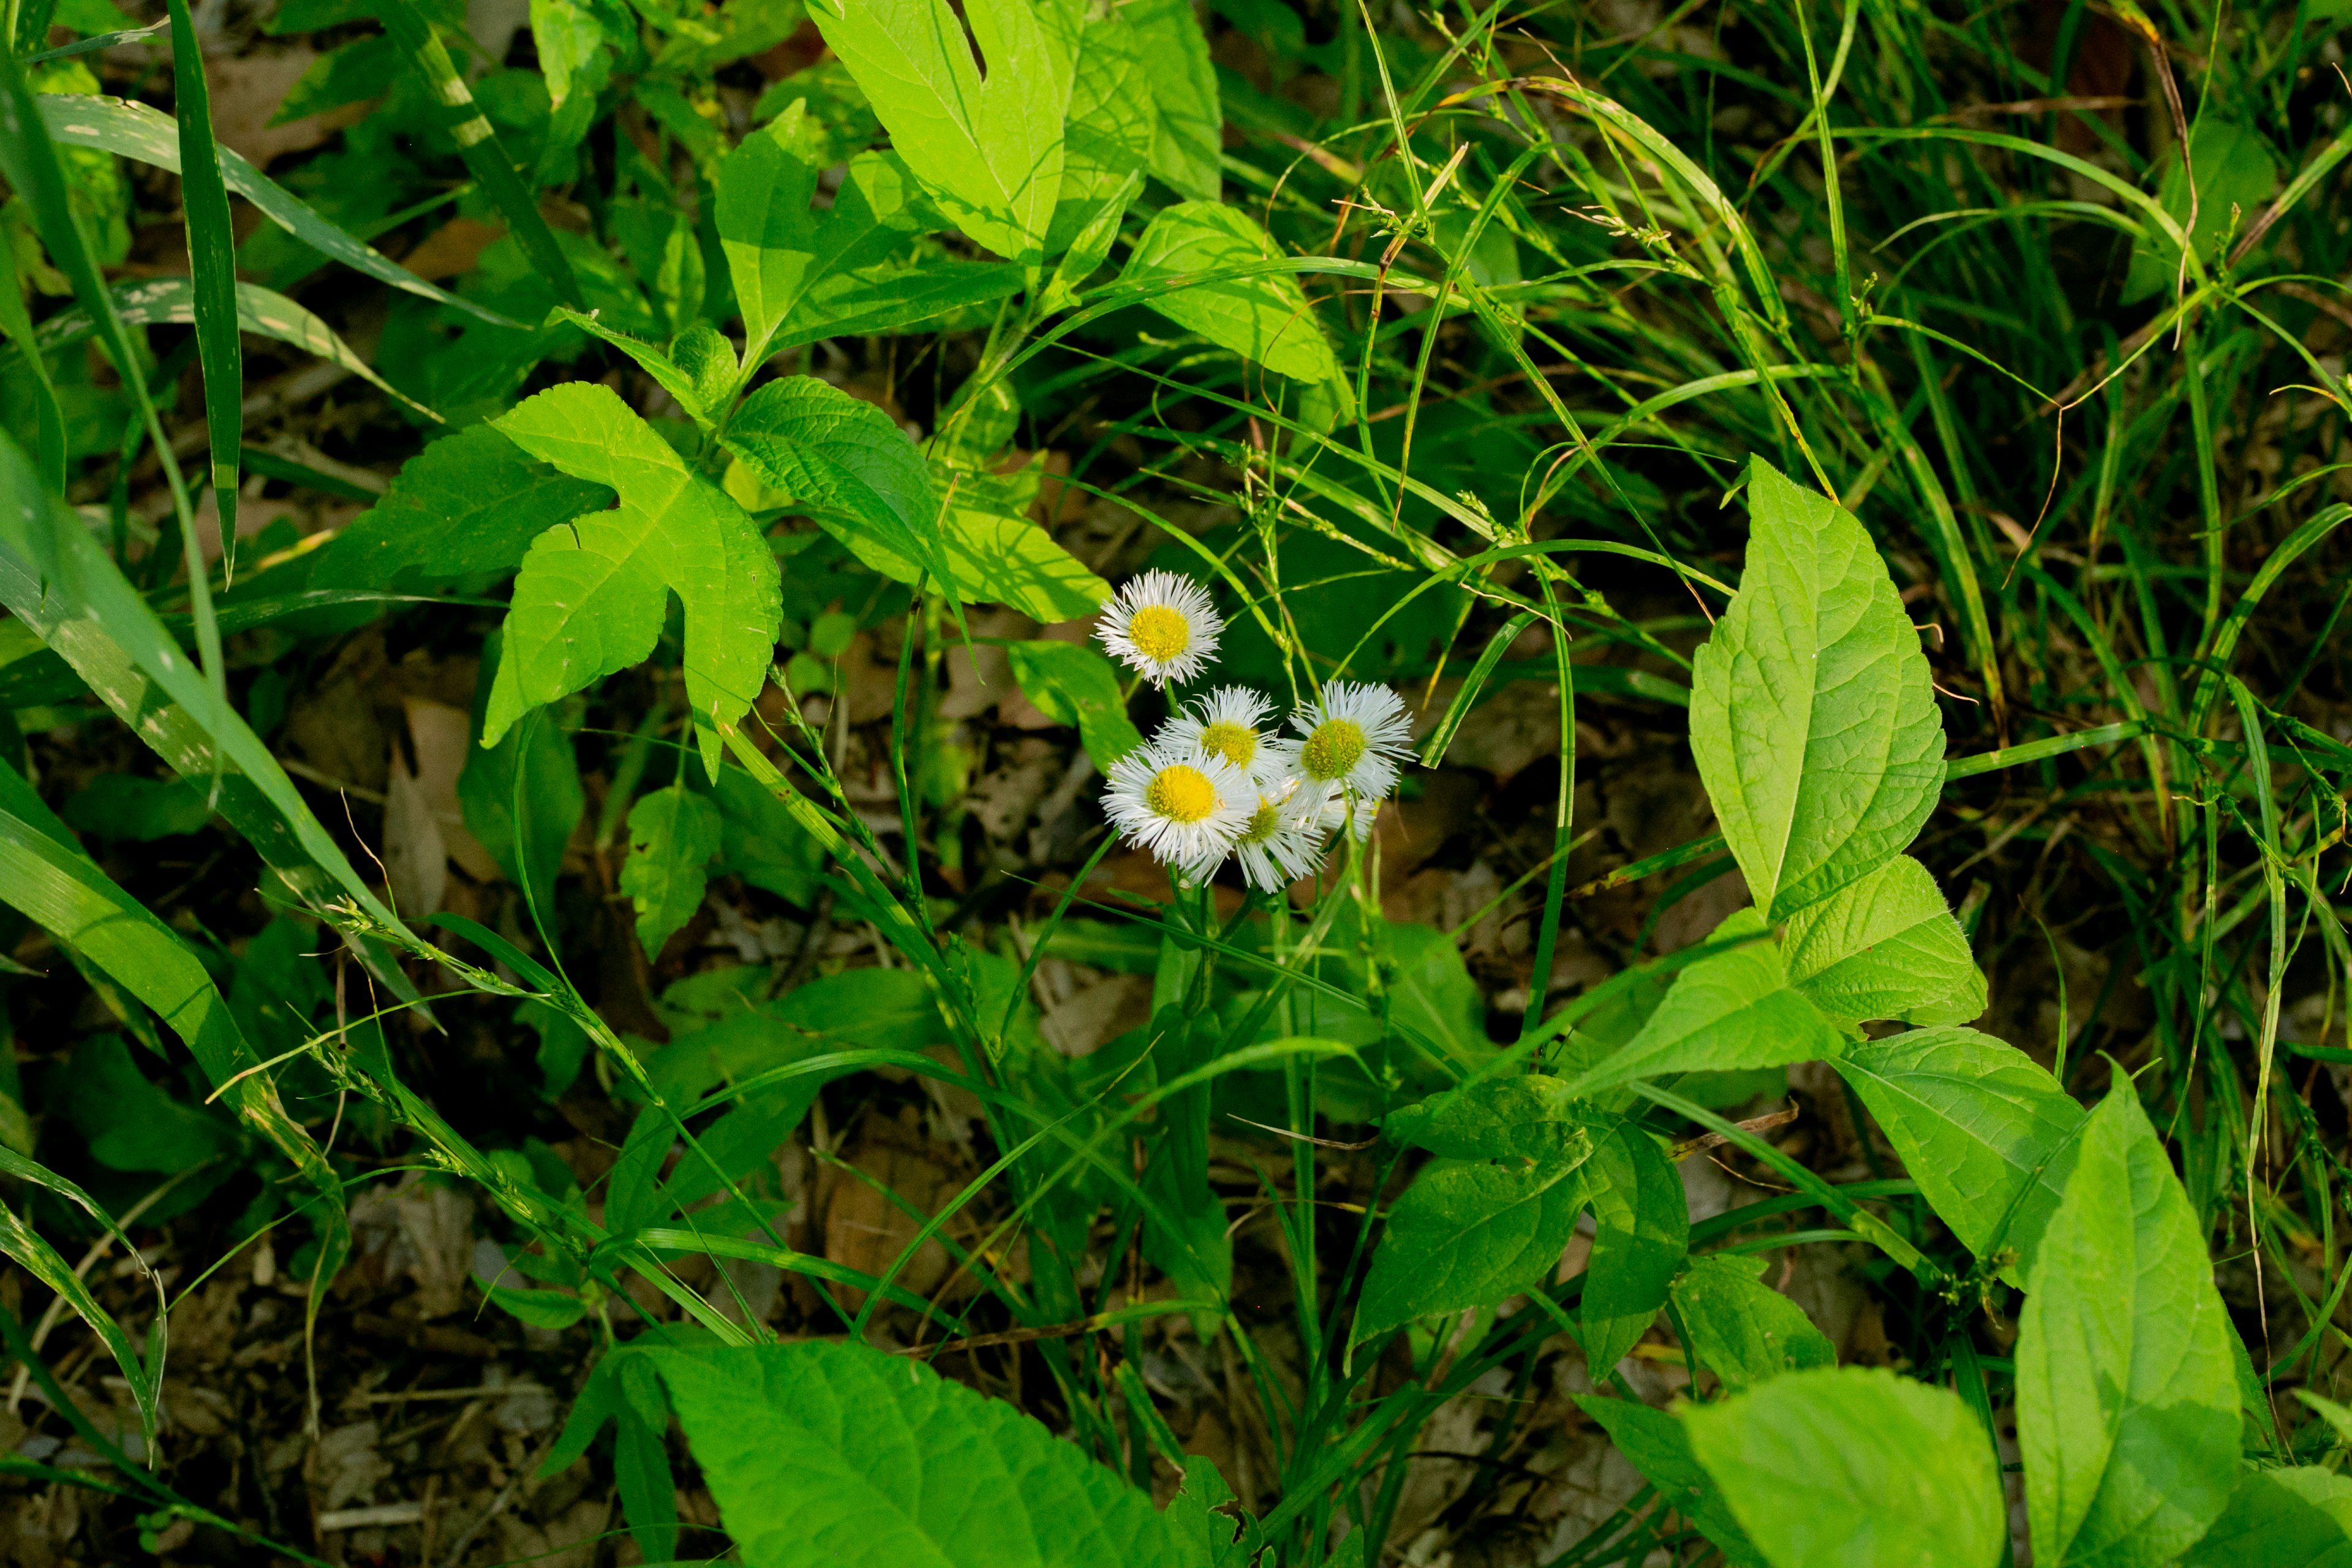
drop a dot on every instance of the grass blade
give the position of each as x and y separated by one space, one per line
16 326
212 268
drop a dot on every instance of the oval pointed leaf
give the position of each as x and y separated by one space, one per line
1745 1332
1640 1220
1467 1235
1885 947
1813 720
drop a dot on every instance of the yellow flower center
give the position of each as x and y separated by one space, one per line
1182 794
1160 633
1231 742
1261 825
1336 745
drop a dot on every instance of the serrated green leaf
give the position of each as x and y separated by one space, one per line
1523 1118
672 834
1730 1010
592 594
2127 1397
1855 1468
1264 318
1189 151
1468 1236
834 1456
1989 1135
1885 946
2297 1517
1813 720
1741 1329
1640 1234
1655 1444
990 149
1073 684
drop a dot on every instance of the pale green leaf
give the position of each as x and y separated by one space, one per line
1072 684
704 43
1468 1236
1113 125
778 246
2298 1518
1729 1010
1989 1135
1812 721
1741 1329
990 149
1655 1444
997 560
1264 317
2127 1397
1189 152
672 834
566 35
1640 1232
822 1455
592 594
1855 1468
1885 947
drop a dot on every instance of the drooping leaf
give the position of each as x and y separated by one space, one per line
1740 1327
1264 317
1885 947
2297 1517
1849 1468
624 1391
1729 1010
1187 152
1655 1444
672 834
2126 1396
1074 685
1989 1135
834 1456
592 592
1468 1234
1642 1233
1812 721
24 1245
992 148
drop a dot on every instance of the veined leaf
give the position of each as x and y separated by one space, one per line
1113 126
1188 149
1467 1235
1517 1118
1265 318
672 834
1885 947
1989 1135
1730 1010
990 149
1742 1329
1655 1444
834 1456
592 592
1855 1468
1642 1233
1074 685
2126 1395
2299 1517
1812 721
899 295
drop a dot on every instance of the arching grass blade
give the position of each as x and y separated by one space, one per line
212 269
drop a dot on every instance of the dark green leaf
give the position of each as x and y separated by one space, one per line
1655 1444
1468 1236
1640 1233
672 834
1073 684
1743 1329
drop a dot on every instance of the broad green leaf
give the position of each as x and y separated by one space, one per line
925 292
626 1392
130 1121
1989 1135
1885 947
2298 1518
1741 1329
1073 684
1730 1010
990 149
843 459
351 73
2126 1398
539 1309
466 506
2235 174
1265 318
1206 1535
1640 1233
1655 1444
522 797
996 560
1812 721
1849 1468
777 248
592 594
1189 151
1467 1235
1518 1118
822 1455
672 834
1113 124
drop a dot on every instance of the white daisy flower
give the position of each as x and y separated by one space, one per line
1162 625
1283 839
1180 803
1230 723
1350 740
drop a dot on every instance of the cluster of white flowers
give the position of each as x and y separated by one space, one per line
1217 779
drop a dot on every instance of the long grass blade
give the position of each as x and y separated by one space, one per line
212 281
